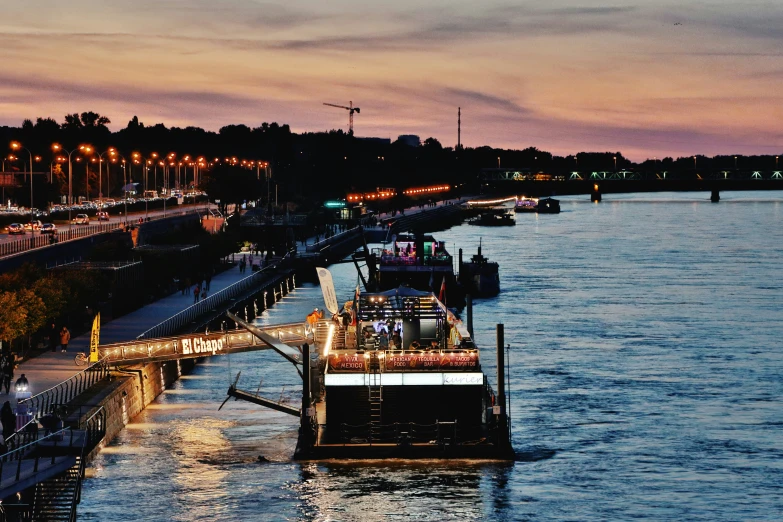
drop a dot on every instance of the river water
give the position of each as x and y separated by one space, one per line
646 381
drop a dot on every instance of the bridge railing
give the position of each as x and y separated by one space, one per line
317 247
79 231
173 324
44 402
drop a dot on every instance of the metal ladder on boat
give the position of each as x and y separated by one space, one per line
375 395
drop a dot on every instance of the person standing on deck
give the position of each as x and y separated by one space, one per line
196 292
65 337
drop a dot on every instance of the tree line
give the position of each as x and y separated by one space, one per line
316 165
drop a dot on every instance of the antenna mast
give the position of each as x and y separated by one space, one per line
459 128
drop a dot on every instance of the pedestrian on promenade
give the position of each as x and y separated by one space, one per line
53 337
8 419
7 374
196 292
208 279
203 294
186 286
65 336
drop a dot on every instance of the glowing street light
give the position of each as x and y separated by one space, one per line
16 147
56 147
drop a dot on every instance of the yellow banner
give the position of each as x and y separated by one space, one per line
95 336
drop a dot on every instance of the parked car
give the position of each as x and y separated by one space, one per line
33 225
81 219
48 228
15 228
103 216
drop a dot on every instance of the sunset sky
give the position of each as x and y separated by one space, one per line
643 77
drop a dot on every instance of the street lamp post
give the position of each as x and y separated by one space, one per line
57 148
615 163
87 150
111 152
154 156
16 146
138 158
694 163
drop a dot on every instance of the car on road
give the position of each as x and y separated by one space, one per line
15 228
33 225
103 216
81 219
48 228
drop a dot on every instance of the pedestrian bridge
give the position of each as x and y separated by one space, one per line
280 337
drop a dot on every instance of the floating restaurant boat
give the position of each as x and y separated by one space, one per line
418 261
524 204
479 276
494 218
542 206
404 381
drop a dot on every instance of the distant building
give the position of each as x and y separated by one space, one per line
377 141
411 140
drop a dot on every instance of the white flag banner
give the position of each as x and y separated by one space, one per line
327 287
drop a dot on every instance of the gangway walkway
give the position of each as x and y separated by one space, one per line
279 337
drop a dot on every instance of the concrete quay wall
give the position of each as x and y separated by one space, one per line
133 390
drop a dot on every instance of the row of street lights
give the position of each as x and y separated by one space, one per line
111 155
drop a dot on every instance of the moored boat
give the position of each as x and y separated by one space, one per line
403 381
419 261
524 204
548 206
494 218
479 276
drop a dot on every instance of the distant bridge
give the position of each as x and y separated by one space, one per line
627 182
526 175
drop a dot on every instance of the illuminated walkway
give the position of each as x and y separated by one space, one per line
52 368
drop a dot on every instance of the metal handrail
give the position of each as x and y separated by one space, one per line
327 241
171 325
64 392
19 453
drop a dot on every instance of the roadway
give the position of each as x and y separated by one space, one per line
132 217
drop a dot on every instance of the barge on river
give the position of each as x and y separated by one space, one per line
419 261
404 381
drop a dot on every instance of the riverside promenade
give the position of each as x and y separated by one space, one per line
52 368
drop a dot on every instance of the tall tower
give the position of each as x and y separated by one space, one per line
459 128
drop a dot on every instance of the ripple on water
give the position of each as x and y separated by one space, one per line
645 368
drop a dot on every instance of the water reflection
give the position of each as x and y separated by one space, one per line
392 490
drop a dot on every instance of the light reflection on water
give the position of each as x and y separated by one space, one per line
645 383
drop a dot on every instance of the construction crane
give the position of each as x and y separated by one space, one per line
351 109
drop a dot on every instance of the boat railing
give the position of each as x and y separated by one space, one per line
405 361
